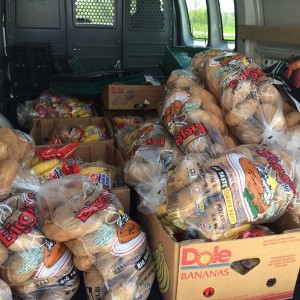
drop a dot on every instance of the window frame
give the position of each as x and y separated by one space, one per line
222 25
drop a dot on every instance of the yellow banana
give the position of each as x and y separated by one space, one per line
57 174
88 170
82 113
89 130
86 115
35 160
91 138
161 269
45 166
165 283
162 210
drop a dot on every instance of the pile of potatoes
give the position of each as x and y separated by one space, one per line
31 265
149 151
90 220
252 106
16 150
249 195
192 115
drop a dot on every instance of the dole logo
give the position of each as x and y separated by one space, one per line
191 256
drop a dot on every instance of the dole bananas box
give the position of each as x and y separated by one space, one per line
88 130
112 156
197 270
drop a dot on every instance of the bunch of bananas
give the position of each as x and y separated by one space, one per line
93 134
50 168
161 269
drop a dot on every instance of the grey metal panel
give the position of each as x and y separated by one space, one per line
36 21
43 14
97 44
148 28
281 13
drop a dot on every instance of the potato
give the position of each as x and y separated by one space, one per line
213 109
210 121
94 284
267 93
138 170
19 267
232 98
83 263
229 141
248 133
5 291
8 171
286 108
72 227
57 233
203 94
122 292
292 119
3 151
10 138
272 116
28 241
100 240
242 112
3 255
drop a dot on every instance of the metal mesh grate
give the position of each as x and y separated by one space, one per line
95 12
147 15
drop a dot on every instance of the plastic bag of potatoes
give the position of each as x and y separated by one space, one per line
16 151
31 265
151 151
5 291
126 288
90 220
245 185
252 106
191 114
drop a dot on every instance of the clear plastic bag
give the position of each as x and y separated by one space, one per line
48 105
246 185
150 154
16 151
191 114
80 133
33 264
5 291
105 174
89 218
252 106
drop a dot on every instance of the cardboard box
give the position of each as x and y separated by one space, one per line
189 269
108 154
121 96
43 129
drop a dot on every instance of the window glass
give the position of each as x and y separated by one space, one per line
228 19
197 11
94 12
